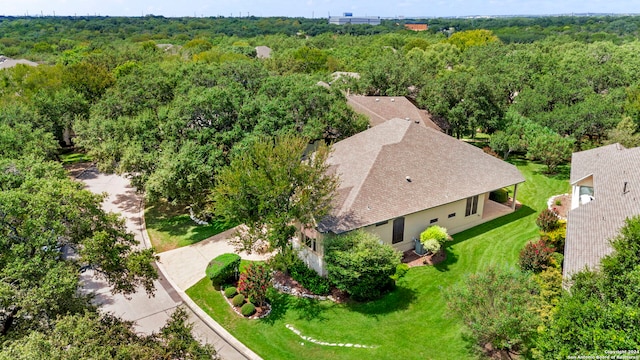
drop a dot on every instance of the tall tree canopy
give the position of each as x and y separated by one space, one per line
272 184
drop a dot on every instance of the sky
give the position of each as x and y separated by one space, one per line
315 8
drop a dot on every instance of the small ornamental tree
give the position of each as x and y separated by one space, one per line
497 307
536 256
435 232
548 220
254 283
431 245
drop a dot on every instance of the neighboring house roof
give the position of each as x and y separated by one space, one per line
382 108
590 226
417 27
263 52
6 62
339 74
374 165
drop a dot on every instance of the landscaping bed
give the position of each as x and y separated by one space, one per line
388 324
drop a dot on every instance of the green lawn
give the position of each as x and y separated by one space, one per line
410 323
74 157
169 226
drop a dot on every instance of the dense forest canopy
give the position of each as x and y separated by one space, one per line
172 101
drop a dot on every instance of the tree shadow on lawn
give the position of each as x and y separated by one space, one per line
562 172
398 299
279 305
307 309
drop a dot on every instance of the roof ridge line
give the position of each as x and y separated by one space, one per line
364 178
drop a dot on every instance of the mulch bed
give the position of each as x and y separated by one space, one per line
412 259
563 208
281 278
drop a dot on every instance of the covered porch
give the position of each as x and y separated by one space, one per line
494 209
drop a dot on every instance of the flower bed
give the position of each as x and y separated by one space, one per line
261 311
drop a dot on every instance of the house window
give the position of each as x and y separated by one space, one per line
307 241
433 221
451 215
472 206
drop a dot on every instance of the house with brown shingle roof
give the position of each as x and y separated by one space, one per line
383 108
605 185
400 177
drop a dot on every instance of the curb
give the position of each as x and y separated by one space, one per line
206 319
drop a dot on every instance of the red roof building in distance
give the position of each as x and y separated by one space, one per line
417 27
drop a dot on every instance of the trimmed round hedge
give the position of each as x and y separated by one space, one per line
248 309
230 292
238 300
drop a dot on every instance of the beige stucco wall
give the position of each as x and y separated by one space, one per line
416 223
313 259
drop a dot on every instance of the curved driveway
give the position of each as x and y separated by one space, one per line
151 313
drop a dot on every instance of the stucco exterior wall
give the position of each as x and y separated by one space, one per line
313 259
416 223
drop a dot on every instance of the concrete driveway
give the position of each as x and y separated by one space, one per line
186 265
151 313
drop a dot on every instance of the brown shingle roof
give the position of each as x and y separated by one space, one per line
592 225
373 167
382 108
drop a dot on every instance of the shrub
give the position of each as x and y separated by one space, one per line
230 292
547 220
308 278
431 245
401 271
254 282
500 195
223 268
237 300
556 260
535 256
283 260
358 263
556 237
248 309
435 232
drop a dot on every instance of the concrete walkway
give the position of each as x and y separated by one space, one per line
151 313
186 266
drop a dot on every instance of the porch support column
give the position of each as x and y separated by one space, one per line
515 193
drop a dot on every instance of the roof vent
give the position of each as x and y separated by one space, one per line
417 121
377 99
408 178
407 119
626 188
392 99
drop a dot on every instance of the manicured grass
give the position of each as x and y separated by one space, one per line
412 322
169 226
72 158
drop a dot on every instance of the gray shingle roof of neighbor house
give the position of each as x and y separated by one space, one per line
382 108
590 226
263 52
400 167
6 62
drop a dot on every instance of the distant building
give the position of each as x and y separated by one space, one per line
348 18
417 27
